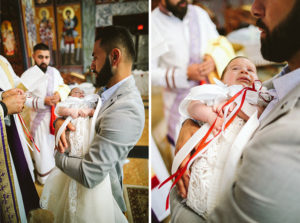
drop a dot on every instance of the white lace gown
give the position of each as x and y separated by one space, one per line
205 186
212 173
69 200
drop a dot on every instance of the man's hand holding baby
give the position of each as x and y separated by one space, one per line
62 143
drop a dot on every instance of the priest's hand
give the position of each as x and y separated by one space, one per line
56 98
188 128
14 103
194 73
62 143
199 72
12 92
52 100
207 66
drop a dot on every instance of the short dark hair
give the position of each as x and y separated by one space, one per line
40 46
116 37
225 69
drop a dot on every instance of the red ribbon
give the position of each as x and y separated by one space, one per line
27 133
178 174
52 119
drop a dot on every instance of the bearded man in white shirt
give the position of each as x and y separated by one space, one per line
42 98
267 182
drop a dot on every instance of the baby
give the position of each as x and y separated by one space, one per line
80 108
66 198
70 109
210 177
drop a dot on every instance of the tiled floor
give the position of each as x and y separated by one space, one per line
136 172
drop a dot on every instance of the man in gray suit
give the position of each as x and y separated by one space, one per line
267 183
121 118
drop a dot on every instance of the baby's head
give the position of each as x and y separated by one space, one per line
77 92
239 71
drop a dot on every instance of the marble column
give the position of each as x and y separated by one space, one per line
88 34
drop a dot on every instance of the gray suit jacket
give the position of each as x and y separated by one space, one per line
119 126
267 186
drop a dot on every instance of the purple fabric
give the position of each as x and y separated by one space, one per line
194 31
29 194
174 116
2 174
42 112
195 58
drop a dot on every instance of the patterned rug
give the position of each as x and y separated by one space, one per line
136 198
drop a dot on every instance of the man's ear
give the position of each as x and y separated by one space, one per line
115 56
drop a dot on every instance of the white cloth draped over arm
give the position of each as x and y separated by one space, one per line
161 75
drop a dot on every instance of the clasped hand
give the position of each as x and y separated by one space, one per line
52 100
14 100
198 72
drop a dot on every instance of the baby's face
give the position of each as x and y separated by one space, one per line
240 71
77 92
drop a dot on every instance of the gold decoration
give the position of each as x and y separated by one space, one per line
42 11
72 13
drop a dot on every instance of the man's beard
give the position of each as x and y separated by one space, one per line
43 67
176 9
284 41
105 74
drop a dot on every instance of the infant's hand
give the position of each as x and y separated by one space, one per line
213 116
220 110
83 112
75 114
91 113
218 125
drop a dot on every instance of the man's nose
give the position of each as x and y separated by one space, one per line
258 9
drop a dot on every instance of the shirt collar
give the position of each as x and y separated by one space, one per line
108 92
286 81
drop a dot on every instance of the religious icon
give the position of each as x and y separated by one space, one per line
28 11
70 40
69 34
46 29
8 38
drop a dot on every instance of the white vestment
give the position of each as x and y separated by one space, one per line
5 84
40 119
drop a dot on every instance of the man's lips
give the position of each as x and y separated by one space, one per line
263 32
183 4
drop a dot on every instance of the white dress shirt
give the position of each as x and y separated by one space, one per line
285 82
109 92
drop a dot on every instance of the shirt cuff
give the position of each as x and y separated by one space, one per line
4 108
